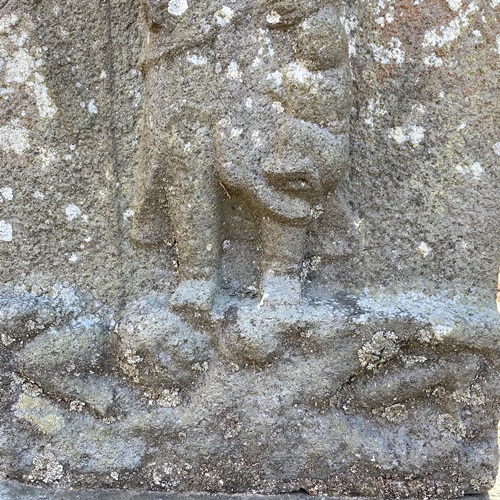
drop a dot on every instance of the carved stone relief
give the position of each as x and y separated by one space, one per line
206 135
209 385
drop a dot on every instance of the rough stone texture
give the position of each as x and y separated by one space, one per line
338 335
12 491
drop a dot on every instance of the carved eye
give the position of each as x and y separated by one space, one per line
282 14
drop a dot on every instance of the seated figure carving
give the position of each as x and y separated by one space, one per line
268 119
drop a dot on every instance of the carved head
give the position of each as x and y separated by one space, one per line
307 161
305 148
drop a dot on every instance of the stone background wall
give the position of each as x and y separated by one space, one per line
398 386
425 149
425 146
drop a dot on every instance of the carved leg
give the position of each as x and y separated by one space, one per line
282 257
194 211
150 224
180 164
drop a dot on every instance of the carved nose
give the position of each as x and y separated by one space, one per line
295 175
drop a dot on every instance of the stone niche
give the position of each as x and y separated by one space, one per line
249 247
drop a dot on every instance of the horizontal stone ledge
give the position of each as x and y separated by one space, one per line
10 490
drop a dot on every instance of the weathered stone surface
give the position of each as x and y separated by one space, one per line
249 247
11 491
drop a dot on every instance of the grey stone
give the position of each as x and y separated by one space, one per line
16 491
248 247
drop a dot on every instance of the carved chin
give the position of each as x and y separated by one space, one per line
294 207
280 204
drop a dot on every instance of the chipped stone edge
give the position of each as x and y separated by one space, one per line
10 490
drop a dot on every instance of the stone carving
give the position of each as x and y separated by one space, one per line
268 119
382 394
365 377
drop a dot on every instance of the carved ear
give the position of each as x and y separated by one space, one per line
230 175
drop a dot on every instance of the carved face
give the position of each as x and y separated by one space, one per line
291 146
306 162
311 144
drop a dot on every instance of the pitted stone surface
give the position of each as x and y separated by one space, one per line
10 491
249 247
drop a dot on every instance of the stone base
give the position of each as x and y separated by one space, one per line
15 491
381 396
